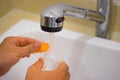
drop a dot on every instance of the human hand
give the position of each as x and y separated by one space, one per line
14 48
35 72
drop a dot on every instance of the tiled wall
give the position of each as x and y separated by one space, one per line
38 5
5 7
115 17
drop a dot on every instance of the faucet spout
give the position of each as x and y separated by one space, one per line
84 14
52 18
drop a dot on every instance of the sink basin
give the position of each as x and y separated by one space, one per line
89 58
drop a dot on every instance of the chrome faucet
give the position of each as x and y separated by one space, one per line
52 18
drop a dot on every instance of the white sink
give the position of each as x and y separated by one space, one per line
89 58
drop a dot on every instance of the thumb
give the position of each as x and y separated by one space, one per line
39 64
30 49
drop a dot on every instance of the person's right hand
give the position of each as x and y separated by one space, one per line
35 72
13 48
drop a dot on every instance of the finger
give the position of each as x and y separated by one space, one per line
34 47
29 49
39 64
19 41
68 76
63 67
24 41
28 55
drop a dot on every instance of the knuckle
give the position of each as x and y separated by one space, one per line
30 49
9 38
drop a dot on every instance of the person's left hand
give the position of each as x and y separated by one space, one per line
36 72
14 48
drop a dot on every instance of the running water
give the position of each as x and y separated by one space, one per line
52 40
52 57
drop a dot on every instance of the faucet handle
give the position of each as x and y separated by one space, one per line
60 19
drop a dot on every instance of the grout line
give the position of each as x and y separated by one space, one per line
9 13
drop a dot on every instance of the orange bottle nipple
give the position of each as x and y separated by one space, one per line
44 47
